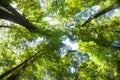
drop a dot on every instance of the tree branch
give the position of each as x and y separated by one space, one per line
4 26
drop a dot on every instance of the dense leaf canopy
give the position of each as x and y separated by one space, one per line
59 40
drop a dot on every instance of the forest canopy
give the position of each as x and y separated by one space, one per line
59 39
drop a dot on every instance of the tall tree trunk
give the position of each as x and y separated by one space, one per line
15 16
21 66
114 6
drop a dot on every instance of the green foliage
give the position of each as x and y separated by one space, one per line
43 55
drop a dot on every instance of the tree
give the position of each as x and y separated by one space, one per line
13 15
33 37
114 6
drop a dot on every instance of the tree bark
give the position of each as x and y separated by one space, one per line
22 65
15 16
114 6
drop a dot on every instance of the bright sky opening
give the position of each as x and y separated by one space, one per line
74 45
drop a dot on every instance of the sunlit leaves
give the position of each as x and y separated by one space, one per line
98 55
101 59
31 10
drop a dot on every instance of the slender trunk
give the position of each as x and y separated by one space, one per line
114 6
20 66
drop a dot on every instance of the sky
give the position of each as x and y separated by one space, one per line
74 46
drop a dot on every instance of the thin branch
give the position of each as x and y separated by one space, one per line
4 26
